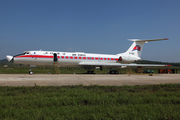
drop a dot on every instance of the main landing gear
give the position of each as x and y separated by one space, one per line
90 72
113 72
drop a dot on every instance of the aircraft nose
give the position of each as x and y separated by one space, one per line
9 58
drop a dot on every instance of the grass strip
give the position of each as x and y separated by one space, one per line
91 102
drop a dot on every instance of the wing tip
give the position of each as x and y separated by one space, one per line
168 65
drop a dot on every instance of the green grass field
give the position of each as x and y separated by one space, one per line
51 69
12 68
24 69
148 102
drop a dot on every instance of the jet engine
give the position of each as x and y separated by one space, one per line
127 59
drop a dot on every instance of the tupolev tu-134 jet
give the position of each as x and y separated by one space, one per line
89 61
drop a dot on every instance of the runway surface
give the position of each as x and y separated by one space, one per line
84 79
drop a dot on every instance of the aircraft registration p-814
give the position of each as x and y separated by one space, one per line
87 60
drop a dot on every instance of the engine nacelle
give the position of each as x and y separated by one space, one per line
127 58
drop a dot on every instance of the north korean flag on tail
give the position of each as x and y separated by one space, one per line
137 47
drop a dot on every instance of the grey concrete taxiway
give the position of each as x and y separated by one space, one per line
85 79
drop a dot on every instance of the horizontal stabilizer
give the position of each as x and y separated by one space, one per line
138 40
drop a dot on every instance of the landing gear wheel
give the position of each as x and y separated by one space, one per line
30 72
114 72
90 72
111 72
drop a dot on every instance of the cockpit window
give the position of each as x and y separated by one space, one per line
25 52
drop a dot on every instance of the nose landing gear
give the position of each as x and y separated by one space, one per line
30 72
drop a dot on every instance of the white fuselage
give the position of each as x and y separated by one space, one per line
70 58
86 60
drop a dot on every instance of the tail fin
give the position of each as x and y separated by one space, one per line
137 46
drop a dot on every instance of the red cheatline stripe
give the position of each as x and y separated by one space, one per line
42 56
32 56
67 57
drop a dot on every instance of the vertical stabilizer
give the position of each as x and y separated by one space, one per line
137 46
135 49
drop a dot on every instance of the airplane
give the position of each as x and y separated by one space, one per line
89 61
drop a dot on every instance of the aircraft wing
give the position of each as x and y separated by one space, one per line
115 64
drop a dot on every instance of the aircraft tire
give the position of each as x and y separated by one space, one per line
113 72
116 72
92 72
30 72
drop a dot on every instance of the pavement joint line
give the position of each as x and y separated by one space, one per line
83 79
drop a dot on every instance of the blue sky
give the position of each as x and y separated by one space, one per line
92 26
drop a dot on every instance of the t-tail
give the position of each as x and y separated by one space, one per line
137 46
